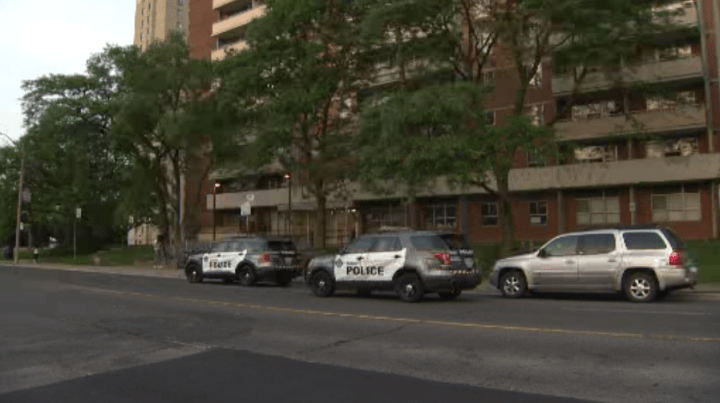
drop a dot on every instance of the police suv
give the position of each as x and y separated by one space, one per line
412 263
247 260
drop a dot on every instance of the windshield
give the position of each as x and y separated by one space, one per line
428 243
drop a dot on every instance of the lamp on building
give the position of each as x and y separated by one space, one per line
289 179
215 188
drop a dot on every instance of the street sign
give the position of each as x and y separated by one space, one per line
78 212
26 195
245 209
250 197
22 226
131 219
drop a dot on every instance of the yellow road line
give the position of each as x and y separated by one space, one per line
430 322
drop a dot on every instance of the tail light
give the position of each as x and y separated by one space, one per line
444 258
265 258
676 259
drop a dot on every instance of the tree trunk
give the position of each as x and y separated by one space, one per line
320 216
505 204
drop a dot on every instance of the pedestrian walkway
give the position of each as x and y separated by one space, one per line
145 270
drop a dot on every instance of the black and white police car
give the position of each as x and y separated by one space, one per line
247 260
412 263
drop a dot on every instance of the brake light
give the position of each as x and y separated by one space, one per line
676 259
444 258
265 258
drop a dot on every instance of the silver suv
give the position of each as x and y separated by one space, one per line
412 263
644 262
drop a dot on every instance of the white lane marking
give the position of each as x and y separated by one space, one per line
638 311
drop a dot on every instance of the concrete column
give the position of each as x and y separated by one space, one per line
633 207
561 212
464 216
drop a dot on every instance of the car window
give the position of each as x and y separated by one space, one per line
255 245
597 244
674 240
564 246
643 241
235 246
386 244
220 247
281 245
455 241
360 245
428 243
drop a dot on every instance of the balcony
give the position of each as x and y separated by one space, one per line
260 198
221 53
688 15
637 171
232 24
676 119
669 70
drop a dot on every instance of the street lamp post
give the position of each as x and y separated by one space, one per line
290 223
215 187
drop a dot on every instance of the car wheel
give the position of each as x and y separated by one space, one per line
193 274
409 287
322 284
246 276
513 284
640 287
449 295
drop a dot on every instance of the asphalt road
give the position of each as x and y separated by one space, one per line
73 336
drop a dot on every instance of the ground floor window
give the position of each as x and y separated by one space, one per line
538 213
678 204
598 210
442 215
489 214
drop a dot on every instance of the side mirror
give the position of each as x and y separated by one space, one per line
542 253
341 251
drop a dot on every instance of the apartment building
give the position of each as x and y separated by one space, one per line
156 19
659 166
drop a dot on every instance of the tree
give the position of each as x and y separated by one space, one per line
520 36
290 92
159 123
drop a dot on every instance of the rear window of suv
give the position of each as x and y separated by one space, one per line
428 243
643 240
675 242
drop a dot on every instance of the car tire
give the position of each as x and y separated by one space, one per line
193 273
409 287
640 287
246 276
322 284
449 295
513 284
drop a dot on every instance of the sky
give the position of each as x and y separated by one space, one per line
41 37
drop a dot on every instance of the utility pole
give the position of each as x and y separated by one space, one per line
215 187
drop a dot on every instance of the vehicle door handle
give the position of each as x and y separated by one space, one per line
612 260
397 256
359 258
569 262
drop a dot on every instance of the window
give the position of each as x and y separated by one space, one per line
682 205
426 243
255 245
595 110
643 241
387 244
598 210
686 98
657 103
672 148
535 159
597 244
563 246
538 213
360 245
142 24
675 52
607 153
385 216
142 12
441 215
536 114
488 77
142 36
181 2
180 15
180 26
490 118
489 214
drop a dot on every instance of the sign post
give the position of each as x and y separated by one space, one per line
245 212
78 214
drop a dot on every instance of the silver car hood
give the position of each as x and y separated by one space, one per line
518 258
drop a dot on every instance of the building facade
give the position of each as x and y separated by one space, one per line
661 165
156 19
